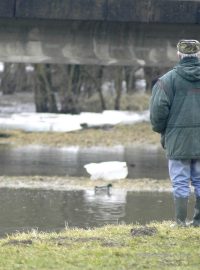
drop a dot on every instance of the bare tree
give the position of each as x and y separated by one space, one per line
45 100
119 75
66 88
95 76
68 85
14 78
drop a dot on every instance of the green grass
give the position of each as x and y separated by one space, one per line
106 248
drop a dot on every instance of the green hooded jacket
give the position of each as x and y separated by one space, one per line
175 110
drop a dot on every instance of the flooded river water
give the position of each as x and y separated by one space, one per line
142 162
22 210
50 210
46 210
53 210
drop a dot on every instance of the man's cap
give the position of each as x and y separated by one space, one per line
188 46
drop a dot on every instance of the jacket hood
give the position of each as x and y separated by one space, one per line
189 68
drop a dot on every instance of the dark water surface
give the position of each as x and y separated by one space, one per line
22 210
146 161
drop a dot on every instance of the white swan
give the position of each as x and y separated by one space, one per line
111 170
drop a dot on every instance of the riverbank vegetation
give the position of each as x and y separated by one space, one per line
140 133
75 88
82 183
112 247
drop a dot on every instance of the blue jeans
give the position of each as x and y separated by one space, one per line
181 173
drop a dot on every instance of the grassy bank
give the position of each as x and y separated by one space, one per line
118 135
82 183
156 246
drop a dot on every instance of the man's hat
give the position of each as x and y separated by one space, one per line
188 46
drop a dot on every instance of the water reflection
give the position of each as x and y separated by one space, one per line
147 161
52 210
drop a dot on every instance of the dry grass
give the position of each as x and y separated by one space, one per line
118 135
83 183
132 102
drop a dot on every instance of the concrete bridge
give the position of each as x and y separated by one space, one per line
106 32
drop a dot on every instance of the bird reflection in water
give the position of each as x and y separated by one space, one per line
103 189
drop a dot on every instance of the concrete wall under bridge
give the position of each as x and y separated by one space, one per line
100 32
84 42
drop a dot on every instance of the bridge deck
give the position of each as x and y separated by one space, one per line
164 11
105 32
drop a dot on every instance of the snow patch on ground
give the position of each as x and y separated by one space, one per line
49 122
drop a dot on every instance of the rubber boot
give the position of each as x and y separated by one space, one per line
181 210
196 217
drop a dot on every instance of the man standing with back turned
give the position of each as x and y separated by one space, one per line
175 114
